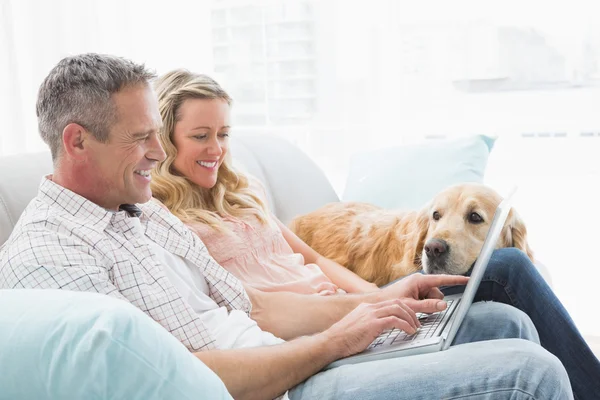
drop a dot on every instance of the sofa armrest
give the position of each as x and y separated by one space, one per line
59 344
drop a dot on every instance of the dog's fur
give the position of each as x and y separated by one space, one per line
383 245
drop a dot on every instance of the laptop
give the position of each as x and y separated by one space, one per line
437 330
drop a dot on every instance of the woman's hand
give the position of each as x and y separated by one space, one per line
421 292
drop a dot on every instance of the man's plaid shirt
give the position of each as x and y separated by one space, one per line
64 241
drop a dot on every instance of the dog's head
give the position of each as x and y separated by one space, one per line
455 225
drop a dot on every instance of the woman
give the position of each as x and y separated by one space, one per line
227 209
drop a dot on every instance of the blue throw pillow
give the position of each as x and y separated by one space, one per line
407 177
71 345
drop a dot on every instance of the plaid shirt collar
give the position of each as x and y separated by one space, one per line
80 207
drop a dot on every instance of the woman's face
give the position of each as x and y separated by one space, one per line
202 139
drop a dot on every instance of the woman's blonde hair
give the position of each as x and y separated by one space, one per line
231 195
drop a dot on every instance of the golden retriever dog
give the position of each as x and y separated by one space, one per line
381 245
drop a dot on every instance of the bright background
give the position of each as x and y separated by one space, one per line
336 77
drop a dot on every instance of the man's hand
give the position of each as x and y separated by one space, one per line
421 292
353 333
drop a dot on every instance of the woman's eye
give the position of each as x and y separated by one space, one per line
224 134
199 137
436 216
475 218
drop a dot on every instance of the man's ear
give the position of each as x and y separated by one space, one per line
75 140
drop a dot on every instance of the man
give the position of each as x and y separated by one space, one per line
83 232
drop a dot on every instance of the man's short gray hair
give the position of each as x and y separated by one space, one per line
78 90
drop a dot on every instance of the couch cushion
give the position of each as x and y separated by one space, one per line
406 177
57 344
293 181
246 160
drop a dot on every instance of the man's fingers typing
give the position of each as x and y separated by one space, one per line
395 322
405 313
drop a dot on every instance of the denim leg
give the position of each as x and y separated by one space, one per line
490 320
511 278
499 369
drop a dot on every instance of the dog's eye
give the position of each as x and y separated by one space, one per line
475 218
436 216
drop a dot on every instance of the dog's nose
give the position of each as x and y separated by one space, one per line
435 248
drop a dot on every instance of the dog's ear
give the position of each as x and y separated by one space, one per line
421 227
515 234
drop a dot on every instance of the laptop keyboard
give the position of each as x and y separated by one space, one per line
429 324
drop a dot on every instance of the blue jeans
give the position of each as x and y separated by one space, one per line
474 367
512 279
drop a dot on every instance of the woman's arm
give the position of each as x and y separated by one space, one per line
342 277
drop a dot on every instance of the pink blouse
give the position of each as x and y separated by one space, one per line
259 256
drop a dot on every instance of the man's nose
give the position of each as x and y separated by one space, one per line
156 151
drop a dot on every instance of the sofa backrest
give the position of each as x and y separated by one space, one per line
20 176
294 183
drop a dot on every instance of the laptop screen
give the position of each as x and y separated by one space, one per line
487 249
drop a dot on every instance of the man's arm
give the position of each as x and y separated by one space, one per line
53 262
267 372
